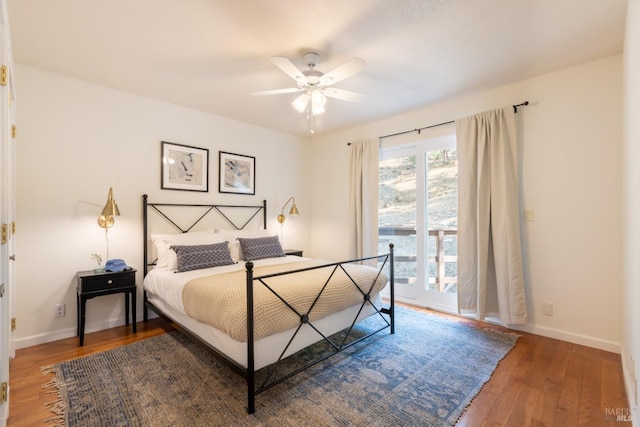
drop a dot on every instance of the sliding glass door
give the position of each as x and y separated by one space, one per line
417 212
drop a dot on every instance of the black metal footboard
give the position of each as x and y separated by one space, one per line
345 341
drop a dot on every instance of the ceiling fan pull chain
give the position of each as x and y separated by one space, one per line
310 115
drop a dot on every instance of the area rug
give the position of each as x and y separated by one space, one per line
426 374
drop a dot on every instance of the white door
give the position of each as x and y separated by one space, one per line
7 210
417 212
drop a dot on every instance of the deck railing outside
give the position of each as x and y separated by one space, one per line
441 262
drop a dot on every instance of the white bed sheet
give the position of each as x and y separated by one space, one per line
164 290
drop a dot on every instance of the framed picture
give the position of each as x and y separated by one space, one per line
237 173
184 167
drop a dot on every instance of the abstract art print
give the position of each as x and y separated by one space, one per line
237 173
184 167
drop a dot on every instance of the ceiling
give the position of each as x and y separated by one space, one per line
210 54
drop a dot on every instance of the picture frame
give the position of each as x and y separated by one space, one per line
183 167
237 173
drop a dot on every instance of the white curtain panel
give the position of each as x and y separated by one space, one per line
490 278
364 197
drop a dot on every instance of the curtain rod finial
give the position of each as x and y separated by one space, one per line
524 104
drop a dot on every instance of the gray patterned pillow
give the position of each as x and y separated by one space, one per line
202 256
260 248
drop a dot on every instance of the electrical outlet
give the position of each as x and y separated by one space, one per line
59 310
547 309
528 215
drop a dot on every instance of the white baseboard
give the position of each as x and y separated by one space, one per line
631 387
64 333
571 337
4 413
558 334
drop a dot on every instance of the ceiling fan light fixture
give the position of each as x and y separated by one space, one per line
317 109
300 103
318 98
318 101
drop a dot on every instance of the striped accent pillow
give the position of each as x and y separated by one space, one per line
197 257
260 248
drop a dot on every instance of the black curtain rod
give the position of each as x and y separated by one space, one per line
515 109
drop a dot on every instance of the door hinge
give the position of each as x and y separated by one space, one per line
3 75
13 131
13 227
3 393
13 324
4 237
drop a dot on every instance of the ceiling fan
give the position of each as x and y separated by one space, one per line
316 85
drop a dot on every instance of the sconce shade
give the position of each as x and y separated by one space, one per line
110 210
292 211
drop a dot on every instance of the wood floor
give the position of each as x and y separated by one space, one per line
541 382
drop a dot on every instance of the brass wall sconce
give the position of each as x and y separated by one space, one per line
292 211
106 220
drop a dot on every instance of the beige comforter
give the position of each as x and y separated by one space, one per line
220 300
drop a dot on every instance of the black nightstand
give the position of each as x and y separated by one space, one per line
296 252
92 284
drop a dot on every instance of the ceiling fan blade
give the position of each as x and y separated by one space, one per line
291 70
277 91
349 68
345 95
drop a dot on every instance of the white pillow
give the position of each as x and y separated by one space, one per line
167 257
234 244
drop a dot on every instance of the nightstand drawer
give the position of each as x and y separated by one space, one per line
98 282
296 252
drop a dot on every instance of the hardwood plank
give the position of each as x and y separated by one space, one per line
541 382
612 387
524 406
544 413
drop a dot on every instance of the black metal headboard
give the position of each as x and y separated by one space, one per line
222 212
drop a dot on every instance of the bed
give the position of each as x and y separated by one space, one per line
223 279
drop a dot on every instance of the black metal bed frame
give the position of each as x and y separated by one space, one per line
249 373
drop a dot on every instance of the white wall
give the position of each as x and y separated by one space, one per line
571 141
631 295
77 139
